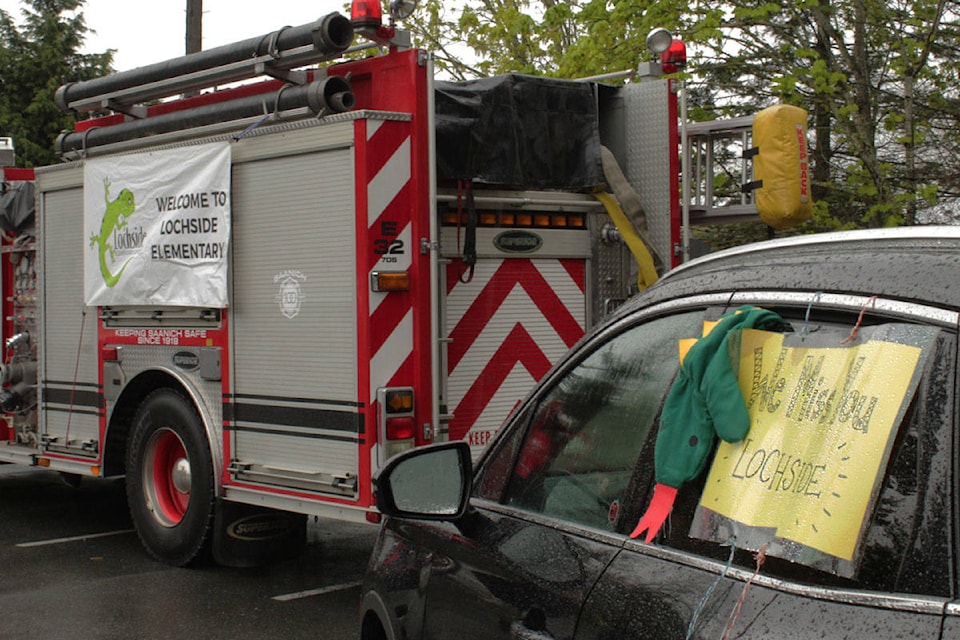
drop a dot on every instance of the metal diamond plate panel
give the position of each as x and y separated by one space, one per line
648 151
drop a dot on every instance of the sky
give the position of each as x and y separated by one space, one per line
146 32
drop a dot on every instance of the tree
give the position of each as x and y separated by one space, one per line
546 37
35 59
878 78
868 72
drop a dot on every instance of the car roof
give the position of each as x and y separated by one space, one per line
916 264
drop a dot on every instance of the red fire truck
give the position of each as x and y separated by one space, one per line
247 299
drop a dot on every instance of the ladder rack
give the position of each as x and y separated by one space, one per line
719 146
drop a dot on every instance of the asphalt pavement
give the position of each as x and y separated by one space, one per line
72 567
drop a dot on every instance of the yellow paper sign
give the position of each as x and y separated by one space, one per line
821 421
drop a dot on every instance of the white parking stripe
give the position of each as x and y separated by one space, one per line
89 536
316 592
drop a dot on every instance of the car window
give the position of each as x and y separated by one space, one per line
571 455
906 543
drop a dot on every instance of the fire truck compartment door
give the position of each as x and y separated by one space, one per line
69 394
294 419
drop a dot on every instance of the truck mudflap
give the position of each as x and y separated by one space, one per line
249 536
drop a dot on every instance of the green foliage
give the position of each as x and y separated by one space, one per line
877 78
35 59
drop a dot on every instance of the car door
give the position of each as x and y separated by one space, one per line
546 508
684 587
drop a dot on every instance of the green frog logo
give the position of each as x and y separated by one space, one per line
114 218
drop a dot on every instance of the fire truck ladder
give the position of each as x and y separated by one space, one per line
716 157
719 147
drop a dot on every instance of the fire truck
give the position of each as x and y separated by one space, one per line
264 268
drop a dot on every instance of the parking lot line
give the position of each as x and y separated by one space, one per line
316 592
89 536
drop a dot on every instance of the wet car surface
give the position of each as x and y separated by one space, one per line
833 516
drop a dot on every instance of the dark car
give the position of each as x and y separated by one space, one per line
796 477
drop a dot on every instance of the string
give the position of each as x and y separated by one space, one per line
806 317
853 333
761 556
706 596
76 374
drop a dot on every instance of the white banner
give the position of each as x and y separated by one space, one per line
157 228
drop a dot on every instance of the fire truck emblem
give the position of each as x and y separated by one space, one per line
290 296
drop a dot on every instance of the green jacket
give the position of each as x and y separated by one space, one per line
705 400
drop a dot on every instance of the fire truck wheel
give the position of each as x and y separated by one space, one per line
170 486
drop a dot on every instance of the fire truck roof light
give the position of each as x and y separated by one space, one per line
366 14
675 57
402 9
390 281
659 40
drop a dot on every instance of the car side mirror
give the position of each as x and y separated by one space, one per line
426 483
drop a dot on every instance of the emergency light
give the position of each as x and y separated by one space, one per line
675 57
366 14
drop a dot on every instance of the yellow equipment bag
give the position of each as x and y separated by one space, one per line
781 170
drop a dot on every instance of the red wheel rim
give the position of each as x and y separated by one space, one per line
166 477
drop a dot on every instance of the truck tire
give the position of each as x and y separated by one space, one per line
170 486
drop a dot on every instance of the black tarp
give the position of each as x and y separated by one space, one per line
519 131
17 206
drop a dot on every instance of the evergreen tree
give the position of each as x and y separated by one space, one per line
35 59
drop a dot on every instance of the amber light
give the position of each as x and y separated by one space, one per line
452 218
390 281
517 219
398 401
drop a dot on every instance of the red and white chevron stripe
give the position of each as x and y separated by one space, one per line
389 221
509 324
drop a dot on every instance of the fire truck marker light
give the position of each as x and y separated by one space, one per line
400 428
381 281
399 401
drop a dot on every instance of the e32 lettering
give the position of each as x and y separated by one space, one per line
388 246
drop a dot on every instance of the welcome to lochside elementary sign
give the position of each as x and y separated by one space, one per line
823 421
157 227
